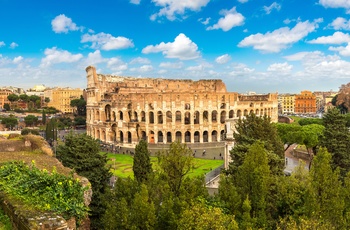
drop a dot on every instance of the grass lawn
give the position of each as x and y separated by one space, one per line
121 165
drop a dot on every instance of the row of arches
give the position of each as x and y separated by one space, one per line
186 118
161 136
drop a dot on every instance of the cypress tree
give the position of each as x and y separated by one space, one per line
142 166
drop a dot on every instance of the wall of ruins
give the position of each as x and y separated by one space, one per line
124 110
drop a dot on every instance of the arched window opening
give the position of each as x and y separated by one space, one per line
121 115
114 117
214 136
196 118
222 117
160 137
178 136
168 137
222 135
187 136
151 137
239 113
143 116
121 137
196 137
187 106
151 118
136 119
169 117
231 114
160 117
129 137
205 116
245 113
143 135
108 112
214 116
187 118
178 116
205 136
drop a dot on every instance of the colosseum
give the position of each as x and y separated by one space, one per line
123 110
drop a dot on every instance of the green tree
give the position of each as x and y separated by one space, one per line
7 106
80 105
47 100
24 97
13 97
326 189
9 122
43 117
30 120
82 153
309 121
336 139
175 164
311 136
51 131
253 180
250 130
79 120
289 133
26 131
142 166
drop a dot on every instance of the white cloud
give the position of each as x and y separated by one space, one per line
140 60
94 58
162 71
241 70
340 24
116 64
281 68
273 6
336 38
242 1
143 69
195 68
335 3
171 65
182 48
280 38
223 59
55 56
17 60
231 19
343 50
296 57
136 2
107 42
63 24
13 45
171 8
2 43
204 22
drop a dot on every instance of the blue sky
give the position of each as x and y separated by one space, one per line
252 45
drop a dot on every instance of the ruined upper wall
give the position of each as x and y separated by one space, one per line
119 84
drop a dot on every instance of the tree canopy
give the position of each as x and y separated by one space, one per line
142 166
80 105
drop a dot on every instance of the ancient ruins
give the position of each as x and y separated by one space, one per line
122 110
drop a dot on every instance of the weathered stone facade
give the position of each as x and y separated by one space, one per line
122 110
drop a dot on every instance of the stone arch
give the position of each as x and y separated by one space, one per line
143 116
151 137
121 117
151 117
187 136
205 116
222 117
98 115
196 118
261 112
214 115
143 135
129 137
251 112
245 113
239 113
205 136
168 137
135 116
121 137
160 117
265 112
103 135
160 137
178 136
169 117
257 112
196 136
98 134
178 116
222 135
108 112
114 117
231 114
187 118
214 136
114 132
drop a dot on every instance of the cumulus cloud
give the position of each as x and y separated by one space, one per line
136 2
296 57
171 9
63 24
195 68
171 65
242 1
107 42
223 59
280 38
336 38
94 58
13 45
343 50
182 48
241 70
2 43
281 68
231 19
143 69
335 3
204 22
116 64
55 56
340 24
140 60
273 6
17 60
